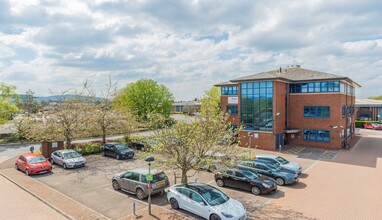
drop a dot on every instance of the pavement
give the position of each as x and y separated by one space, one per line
348 187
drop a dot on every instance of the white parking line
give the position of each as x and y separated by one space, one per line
130 197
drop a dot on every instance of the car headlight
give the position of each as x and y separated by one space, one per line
266 185
227 215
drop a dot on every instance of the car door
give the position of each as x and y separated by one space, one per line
185 199
198 205
106 149
266 171
22 163
241 181
113 151
125 182
228 178
59 158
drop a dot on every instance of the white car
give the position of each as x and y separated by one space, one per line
67 159
205 201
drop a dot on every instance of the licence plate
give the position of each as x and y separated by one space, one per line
45 171
161 183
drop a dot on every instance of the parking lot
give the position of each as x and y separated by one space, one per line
91 186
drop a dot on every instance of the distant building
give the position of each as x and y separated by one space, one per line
369 109
291 106
188 107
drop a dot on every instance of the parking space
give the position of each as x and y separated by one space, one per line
91 186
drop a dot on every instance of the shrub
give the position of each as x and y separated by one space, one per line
87 148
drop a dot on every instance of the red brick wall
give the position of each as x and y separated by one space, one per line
265 140
297 119
279 103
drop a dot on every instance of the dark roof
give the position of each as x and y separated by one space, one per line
226 84
294 74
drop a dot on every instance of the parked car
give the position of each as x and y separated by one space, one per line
284 163
246 180
32 163
135 182
117 150
67 158
137 145
214 162
373 126
205 201
281 177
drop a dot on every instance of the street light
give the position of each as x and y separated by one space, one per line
149 178
250 138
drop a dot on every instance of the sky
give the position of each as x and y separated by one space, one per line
50 46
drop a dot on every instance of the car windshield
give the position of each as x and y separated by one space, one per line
249 174
121 147
37 159
282 160
215 197
71 155
374 124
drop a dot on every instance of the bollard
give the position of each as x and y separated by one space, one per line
280 148
134 209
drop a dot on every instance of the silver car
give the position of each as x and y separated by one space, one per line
135 182
67 158
284 163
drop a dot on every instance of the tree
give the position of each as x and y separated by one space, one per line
144 97
189 146
376 97
68 119
210 103
29 104
8 101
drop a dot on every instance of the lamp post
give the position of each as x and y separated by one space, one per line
149 178
250 138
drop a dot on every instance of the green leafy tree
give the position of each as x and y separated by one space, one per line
145 97
191 146
8 101
210 103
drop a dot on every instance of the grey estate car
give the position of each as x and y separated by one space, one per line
134 181
284 163
281 177
67 158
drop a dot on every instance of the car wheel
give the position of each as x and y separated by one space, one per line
16 167
214 217
280 181
26 172
103 153
118 157
64 165
140 194
116 185
220 182
174 203
255 190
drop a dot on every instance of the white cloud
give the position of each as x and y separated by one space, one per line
186 45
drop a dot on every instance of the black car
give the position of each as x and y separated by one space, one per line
117 150
281 177
137 145
246 180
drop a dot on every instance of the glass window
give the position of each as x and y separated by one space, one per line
256 105
317 135
324 86
196 197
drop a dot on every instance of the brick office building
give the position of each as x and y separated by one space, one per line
291 106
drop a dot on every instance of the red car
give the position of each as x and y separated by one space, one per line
32 163
373 126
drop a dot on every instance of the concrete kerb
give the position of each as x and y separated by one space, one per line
60 211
